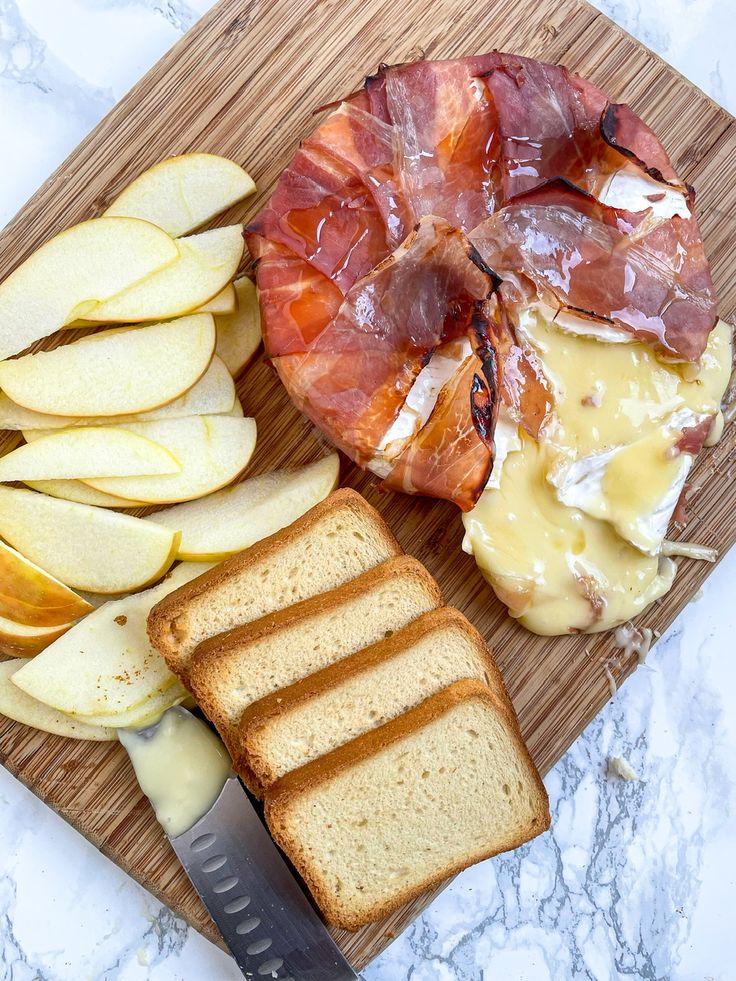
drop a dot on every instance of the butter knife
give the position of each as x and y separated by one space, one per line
264 916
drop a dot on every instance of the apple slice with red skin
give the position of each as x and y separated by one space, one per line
32 597
18 640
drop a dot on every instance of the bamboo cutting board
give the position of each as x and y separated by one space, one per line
243 83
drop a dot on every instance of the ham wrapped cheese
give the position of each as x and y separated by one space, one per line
419 220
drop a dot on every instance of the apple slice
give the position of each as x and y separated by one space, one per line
94 451
32 597
106 665
207 262
212 450
85 547
181 193
225 302
20 640
239 334
237 410
115 372
148 712
212 394
75 490
69 274
234 518
16 705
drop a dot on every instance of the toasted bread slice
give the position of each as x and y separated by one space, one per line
229 672
390 814
339 539
297 724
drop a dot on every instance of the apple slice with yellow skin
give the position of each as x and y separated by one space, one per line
106 666
214 393
68 275
115 372
16 705
212 450
92 451
224 523
32 597
88 548
207 263
225 302
75 490
20 640
239 334
182 193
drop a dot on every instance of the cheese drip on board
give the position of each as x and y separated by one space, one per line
569 531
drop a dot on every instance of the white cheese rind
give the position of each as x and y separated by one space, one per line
419 403
630 189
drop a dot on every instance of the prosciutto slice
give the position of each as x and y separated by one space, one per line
327 216
297 301
522 386
452 455
553 123
653 281
366 146
433 206
448 140
354 376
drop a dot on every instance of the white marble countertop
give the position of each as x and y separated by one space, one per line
635 879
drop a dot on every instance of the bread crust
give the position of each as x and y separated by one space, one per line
259 714
163 616
308 778
392 568
210 653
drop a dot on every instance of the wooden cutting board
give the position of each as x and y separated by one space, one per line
243 83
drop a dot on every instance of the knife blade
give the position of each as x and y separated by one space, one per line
258 906
263 914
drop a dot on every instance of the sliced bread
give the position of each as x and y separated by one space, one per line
297 724
385 817
337 540
229 672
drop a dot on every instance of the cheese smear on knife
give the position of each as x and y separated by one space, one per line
181 767
570 530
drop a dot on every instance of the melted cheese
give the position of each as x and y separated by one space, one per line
505 440
181 767
569 531
602 486
597 330
657 465
607 394
556 568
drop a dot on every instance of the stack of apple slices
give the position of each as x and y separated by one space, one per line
140 413
103 674
143 413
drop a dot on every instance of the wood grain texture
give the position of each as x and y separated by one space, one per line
243 83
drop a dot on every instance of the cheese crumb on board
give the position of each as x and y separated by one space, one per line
619 766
